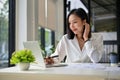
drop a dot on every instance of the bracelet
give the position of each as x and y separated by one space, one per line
87 40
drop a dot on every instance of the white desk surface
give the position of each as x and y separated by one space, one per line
74 71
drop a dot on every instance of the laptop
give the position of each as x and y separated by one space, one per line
35 48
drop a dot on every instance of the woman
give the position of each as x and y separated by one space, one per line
76 44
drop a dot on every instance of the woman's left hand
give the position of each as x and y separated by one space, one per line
86 32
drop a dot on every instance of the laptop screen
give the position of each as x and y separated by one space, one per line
36 50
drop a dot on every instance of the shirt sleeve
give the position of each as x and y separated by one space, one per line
60 51
94 51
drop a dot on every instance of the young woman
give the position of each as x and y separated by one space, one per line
76 44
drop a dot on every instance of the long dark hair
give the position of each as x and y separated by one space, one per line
82 15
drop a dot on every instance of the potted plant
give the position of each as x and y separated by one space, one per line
113 58
23 58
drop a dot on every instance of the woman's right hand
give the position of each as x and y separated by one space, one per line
86 32
49 60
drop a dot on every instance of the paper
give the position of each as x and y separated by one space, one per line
98 66
87 66
113 69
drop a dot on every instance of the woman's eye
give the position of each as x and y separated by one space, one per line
75 22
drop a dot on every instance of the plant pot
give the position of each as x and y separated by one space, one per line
23 66
113 59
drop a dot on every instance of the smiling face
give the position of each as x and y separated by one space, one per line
76 24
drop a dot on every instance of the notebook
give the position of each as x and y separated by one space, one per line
35 48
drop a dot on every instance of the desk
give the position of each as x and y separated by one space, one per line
74 71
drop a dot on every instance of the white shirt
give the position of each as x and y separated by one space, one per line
70 48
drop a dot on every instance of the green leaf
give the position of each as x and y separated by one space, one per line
24 55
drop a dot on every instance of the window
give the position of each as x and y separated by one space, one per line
7 31
50 21
47 40
4 33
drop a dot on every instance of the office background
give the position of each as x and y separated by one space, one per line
45 21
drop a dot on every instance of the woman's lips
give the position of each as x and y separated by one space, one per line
74 29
